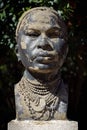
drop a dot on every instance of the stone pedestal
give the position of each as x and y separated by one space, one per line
43 125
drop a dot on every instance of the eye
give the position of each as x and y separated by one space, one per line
32 33
54 33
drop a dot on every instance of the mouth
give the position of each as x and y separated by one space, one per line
45 57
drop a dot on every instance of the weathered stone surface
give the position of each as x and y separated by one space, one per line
43 125
41 37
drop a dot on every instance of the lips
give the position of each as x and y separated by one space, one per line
45 57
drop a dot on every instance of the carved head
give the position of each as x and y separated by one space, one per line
41 37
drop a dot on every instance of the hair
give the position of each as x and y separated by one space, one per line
49 9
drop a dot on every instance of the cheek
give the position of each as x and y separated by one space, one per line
25 42
59 45
23 45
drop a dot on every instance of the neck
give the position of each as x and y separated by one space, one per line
42 78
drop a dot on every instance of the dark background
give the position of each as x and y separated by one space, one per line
74 70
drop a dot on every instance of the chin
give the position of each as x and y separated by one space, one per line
43 69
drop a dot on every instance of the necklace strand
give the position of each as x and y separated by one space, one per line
33 94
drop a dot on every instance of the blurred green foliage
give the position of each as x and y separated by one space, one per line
74 70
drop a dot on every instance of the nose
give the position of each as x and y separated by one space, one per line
44 43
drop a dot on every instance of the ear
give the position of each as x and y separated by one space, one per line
17 52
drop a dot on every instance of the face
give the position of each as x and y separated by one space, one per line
42 47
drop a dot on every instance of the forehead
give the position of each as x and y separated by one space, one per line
40 18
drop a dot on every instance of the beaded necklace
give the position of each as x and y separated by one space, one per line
41 99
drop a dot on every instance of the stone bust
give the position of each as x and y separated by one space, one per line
41 94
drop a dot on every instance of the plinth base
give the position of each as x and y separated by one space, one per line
43 125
